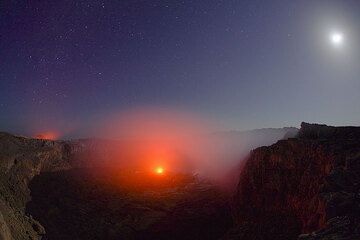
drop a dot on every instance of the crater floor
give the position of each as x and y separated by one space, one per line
81 204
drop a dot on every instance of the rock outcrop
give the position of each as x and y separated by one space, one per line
307 185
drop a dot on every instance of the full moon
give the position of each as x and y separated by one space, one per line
336 39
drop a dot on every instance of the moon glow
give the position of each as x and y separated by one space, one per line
337 39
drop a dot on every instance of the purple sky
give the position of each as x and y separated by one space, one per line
243 64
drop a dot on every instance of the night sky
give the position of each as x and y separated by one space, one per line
243 64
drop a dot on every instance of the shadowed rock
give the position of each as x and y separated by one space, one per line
308 184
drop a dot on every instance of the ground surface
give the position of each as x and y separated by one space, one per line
78 204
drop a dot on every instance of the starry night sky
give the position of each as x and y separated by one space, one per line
244 64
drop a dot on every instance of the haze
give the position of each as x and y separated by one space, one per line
148 139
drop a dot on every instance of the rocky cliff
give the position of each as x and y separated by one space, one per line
303 187
21 159
307 185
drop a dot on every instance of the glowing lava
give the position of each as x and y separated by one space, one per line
159 170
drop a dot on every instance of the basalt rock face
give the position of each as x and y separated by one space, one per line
22 159
307 185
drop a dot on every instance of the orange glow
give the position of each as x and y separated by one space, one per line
159 170
47 136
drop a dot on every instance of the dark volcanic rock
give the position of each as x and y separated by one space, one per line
308 184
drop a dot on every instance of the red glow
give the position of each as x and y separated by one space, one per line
47 136
150 138
155 138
